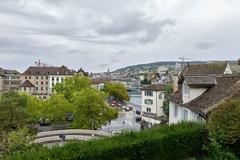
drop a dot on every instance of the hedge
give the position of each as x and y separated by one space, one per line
181 141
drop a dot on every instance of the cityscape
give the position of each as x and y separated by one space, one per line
119 80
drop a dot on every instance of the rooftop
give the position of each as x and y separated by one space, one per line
33 70
26 83
154 87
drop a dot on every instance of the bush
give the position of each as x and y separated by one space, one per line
224 122
224 125
180 141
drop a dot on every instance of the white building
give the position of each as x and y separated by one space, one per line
152 103
201 88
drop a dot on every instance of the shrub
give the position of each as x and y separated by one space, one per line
224 125
180 141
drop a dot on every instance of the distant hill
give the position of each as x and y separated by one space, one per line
154 65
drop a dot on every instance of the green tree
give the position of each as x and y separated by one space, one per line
91 110
56 108
13 113
35 108
224 123
168 88
117 90
71 85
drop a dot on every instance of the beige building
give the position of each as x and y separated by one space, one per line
1 81
40 81
9 80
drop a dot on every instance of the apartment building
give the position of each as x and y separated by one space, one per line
40 80
152 103
9 80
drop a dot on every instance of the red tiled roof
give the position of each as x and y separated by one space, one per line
32 70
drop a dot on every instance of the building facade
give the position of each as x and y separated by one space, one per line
9 80
153 97
200 89
43 79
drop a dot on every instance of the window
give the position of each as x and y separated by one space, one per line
148 93
57 79
185 115
175 111
186 89
24 89
41 77
148 109
30 77
41 88
36 88
46 88
47 83
41 82
161 95
52 84
46 77
37 77
52 78
25 77
36 82
148 101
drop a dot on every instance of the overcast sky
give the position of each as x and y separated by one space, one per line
102 34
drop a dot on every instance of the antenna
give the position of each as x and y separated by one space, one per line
40 64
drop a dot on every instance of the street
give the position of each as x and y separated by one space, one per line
125 121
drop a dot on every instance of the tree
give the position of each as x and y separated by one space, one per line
56 108
13 114
35 108
71 85
117 90
145 81
224 123
91 111
168 88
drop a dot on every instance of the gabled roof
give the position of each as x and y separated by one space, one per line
26 83
227 87
33 70
203 70
154 87
200 81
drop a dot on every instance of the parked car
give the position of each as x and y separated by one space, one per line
127 108
138 112
138 119
44 122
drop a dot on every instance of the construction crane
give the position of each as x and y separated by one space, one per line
184 58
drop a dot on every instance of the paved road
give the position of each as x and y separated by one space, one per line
125 121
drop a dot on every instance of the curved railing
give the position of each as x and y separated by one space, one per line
69 134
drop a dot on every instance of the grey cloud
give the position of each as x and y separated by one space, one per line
135 24
205 45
